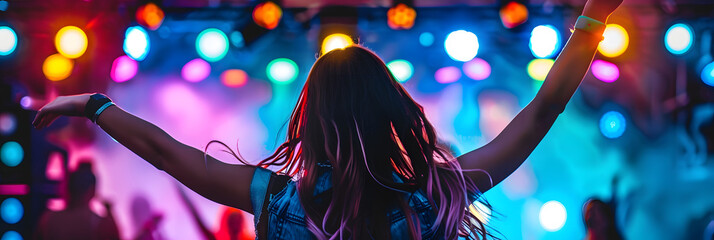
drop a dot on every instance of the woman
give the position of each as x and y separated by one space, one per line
361 151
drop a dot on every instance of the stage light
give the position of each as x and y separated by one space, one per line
11 235
54 169
196 70
545 41
552 216
123 69
513 14
8 124
57 67
26 102
212 44
8 40
461 45
237 39
708 74
11 153
612 124
71 42
615 41
234 78
477 69
538 68
401 69
150 16
282 71
426 39
605 71
267 15
678 38
136 43
401 16
447 74
11 210
336 41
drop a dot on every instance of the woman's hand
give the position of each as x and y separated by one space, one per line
600 9
62 106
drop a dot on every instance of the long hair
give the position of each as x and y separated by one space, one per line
354 116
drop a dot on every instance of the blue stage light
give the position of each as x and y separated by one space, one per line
282 70
612 124
679 38
426 39
11 153
212 44
708 74
136 43
401 69
11 210
11 235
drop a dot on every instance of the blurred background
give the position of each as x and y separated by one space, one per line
638 134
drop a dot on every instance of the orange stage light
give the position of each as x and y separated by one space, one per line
513 14
401 17
267 15
150 16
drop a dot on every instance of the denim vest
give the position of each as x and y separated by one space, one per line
286 218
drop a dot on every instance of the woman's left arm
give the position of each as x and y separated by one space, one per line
514 144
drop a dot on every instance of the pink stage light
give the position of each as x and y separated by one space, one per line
447 75
55 169
196 70
56 204
477 69
605 71
123 69
14 189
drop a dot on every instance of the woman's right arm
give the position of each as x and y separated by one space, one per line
227 184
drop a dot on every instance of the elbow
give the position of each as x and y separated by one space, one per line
549 109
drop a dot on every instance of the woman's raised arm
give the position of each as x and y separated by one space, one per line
514 144
223 183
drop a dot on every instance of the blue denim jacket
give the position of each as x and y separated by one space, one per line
286 218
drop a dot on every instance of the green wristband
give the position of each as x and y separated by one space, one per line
590 25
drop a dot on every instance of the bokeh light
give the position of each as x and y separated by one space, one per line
447 74
538 68
461 45
136 43
336 41
552 216
71 42
401 16
679 38
545 41
196 70
212 44
11 153
401 69
123 69
513 14
8 124
477 69
55 169
150 16
11 210
615 41
282 70
26 102
267 15
11 235
234 78
605 71
612 124
8 40
237 39
708 74
57 67
426 39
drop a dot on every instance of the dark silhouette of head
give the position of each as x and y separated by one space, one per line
353 115
81 184
599 220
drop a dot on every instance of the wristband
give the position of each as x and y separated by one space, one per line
96 102
590 25
100 110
